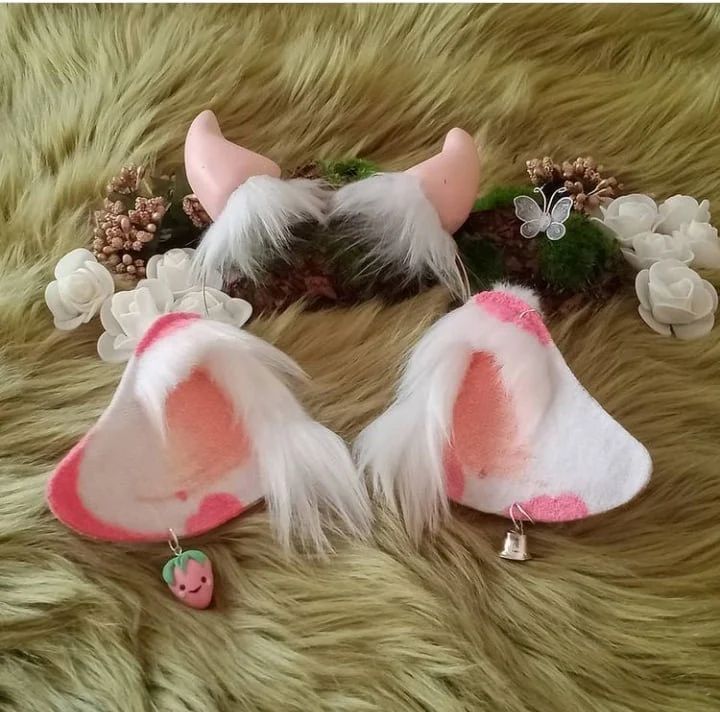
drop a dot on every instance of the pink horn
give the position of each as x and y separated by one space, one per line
450 179
215 167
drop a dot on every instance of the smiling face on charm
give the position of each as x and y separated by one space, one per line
190 578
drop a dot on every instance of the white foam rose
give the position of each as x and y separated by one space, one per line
80 287
213 304
629 215
680 210
127 315
702 239
651 247
674 299
174 269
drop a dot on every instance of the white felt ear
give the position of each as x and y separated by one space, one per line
203 425
489 414
400 229
255 225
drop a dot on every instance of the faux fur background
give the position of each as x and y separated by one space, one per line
618 613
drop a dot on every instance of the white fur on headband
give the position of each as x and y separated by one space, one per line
391 216
255 224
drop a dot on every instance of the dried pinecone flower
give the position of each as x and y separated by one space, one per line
543 170
194 210
581 178
120 233
128 181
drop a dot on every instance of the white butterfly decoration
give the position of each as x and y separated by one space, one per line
548 219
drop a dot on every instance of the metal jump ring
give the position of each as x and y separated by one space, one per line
174 544
518 523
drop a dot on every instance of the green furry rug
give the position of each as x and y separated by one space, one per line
618 613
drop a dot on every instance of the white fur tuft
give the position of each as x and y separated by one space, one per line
392 217
403 449
306 470
254 227
526 294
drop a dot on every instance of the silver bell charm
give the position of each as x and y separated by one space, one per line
515 546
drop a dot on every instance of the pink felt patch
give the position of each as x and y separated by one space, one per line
161 327
509 308
206 439
64 500
213 510
563 508
484 439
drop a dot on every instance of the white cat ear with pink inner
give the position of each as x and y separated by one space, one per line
202 426
489 415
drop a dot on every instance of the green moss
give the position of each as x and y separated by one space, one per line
348 170
501 196
576 260
483 261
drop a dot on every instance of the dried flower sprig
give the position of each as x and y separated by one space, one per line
194 210
582 178
127 181
120 233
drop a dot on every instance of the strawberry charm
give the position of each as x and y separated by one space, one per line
189 576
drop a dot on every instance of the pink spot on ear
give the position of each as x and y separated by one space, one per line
213 511
484 439
563 508
161 327
182 495
66 504
507 307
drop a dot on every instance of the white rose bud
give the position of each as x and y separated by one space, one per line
674 299
127 316
702 239
651 247
628 216
80 287
174 268
214 304
680 210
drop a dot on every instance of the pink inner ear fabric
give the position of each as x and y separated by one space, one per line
454 475
484 439
507 307
206 439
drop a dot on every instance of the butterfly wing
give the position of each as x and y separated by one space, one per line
527 209
202 426
560 210
555 231
534 219
532 228
490 415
